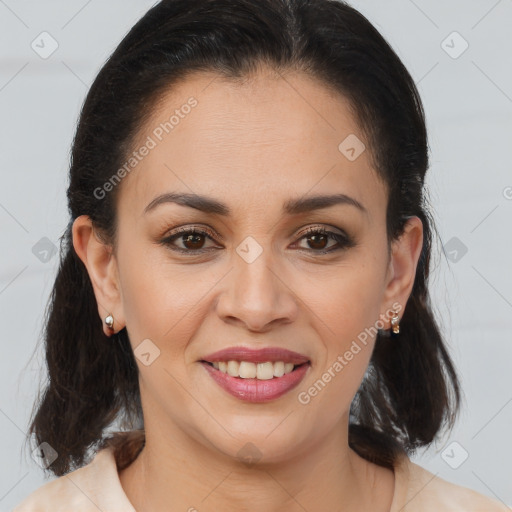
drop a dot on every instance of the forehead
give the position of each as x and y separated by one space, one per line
249 144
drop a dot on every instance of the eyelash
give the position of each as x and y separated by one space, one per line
344 241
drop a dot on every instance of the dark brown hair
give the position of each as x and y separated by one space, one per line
411 389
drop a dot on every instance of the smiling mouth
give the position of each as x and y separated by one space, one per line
261 371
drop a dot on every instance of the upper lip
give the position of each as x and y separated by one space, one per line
261 355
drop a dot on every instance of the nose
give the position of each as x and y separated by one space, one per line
257 295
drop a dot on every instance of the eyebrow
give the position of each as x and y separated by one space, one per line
290 207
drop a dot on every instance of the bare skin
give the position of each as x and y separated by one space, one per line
252 146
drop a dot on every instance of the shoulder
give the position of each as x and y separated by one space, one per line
93 487
418 490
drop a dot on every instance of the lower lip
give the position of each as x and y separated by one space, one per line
255 390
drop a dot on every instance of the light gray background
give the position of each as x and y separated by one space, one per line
468 102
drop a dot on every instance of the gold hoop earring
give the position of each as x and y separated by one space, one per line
395 323
109 320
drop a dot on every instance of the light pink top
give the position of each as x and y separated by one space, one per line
96 486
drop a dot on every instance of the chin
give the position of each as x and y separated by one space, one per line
260 442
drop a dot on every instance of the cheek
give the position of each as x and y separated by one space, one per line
347 301
349 312
347 307
162 301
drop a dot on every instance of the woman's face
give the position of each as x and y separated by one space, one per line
257 279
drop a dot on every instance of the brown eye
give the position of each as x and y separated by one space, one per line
192 240
318 239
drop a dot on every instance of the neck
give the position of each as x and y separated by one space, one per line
174 470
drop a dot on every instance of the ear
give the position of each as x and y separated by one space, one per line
103 273
405 253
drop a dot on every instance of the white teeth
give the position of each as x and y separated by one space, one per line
248 370
278 369
233 368
265 371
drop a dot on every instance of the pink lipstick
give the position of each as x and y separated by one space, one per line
256 375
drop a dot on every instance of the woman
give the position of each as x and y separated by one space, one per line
243 283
